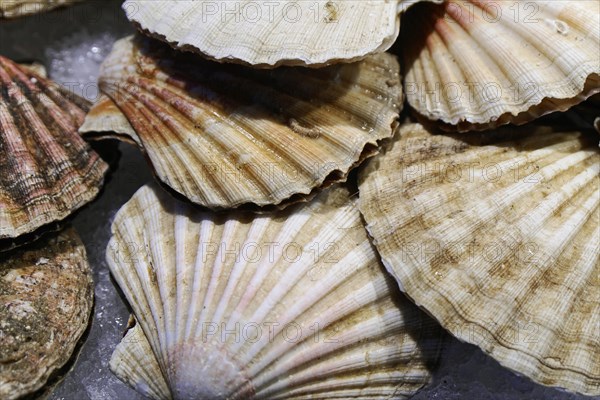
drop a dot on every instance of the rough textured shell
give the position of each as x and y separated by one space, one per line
227 135
19 8
316 314
271 34
46 297
499 241
477 64
47 170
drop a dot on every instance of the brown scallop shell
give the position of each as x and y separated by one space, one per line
475 65
46 297
227 135
47 170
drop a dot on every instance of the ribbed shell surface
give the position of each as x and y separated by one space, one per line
269 34
279 306
497 236
478 64
46 297
227 135
47 170
133 362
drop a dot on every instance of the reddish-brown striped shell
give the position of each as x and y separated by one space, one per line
226 136
47 170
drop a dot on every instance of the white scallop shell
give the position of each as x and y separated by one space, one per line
497 236
134 363
478 65
287 305
269 34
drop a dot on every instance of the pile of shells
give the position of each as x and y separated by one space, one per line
47 172
257 271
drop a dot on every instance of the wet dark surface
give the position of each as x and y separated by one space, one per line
71 44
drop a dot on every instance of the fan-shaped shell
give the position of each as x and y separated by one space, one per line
266 34
19 8
287 305
227 135
497 236
46 297
478 65
47 170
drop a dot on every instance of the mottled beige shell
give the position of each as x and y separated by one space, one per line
317 315
19 8
497 236
226 135
269 34
46 297
47 171
476 65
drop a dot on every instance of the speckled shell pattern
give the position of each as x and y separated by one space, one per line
225 136
476 65
47 171
320 323
497 236
46 298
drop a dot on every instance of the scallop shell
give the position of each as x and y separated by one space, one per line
227 135
134 363
478 65
19 8
316 314
106 121
47 170
263 34
46 297
497 236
